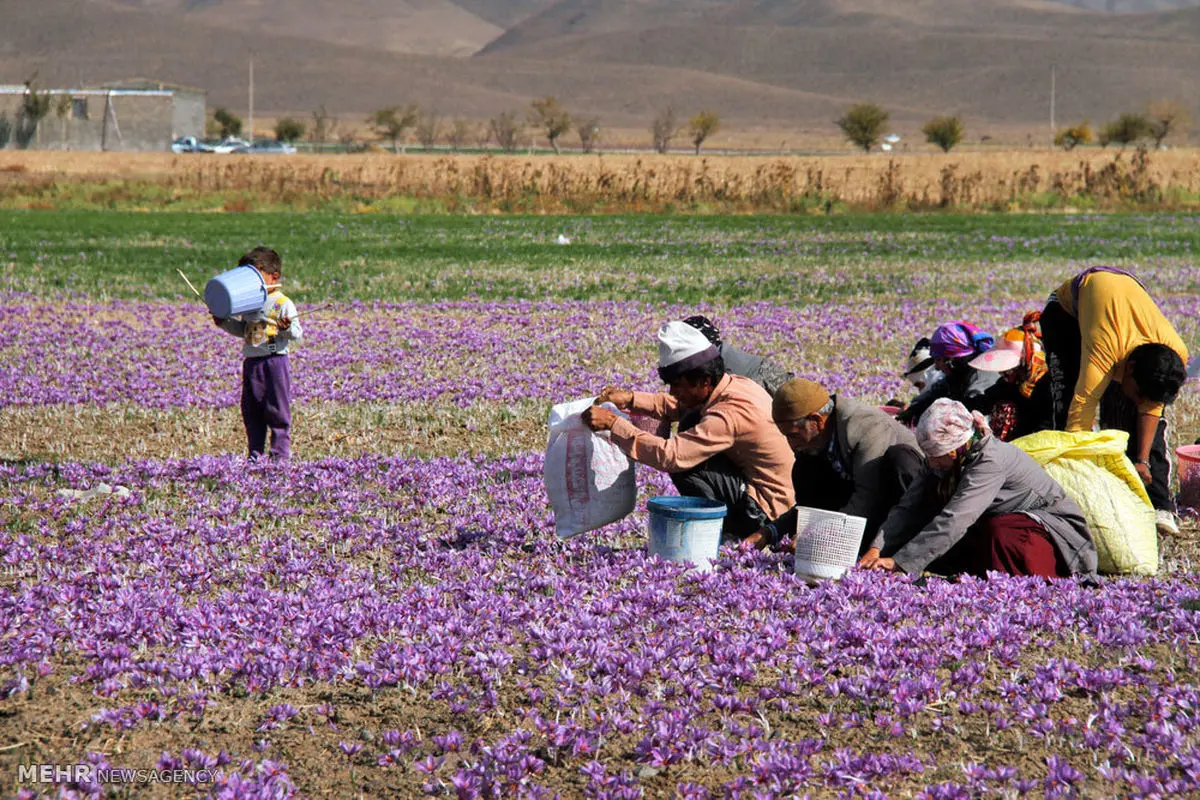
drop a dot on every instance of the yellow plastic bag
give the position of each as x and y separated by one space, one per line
1093 470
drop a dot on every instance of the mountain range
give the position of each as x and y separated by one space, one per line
769 63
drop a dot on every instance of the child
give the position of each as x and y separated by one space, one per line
266 378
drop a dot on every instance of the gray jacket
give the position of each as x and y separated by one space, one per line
864 435
766 374
1004 480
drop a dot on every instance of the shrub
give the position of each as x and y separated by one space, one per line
702 126
549 115
1125 129
289 129
945 132
862 124
1072 137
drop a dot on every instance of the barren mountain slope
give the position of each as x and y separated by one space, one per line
294 76
434 27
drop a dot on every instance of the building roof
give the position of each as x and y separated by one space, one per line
148 84
14 89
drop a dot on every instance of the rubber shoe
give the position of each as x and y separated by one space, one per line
1165 522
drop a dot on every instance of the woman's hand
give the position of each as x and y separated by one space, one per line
755 541
872 560
869 558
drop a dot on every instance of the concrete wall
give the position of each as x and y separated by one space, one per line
145 122
190 114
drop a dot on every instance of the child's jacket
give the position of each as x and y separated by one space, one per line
259 334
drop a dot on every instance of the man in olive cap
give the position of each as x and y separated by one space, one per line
733 453
850 457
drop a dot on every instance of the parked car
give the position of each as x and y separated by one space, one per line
268 147
229 144
189 144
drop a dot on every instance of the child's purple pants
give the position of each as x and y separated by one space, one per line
267 404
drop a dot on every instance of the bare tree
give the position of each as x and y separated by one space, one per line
324 126
429 126
1166 117
505 130
702 126
483 135
34 107
663 129
549 115
588 129
62 110
459 134
391 123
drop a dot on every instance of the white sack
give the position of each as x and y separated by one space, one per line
589 480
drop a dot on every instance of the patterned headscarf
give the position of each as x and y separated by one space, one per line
958 340
948 425
705 326
1033 357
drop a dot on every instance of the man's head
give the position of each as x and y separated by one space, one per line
1157 371
801 410
266 261
689 363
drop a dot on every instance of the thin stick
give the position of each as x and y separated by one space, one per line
189 283
312 311
14 746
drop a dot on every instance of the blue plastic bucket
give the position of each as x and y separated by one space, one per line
238 291
686 529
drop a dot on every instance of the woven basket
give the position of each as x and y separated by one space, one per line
827 543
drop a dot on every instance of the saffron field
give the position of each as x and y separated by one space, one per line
390 613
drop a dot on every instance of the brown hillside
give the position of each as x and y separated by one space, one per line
583 18
505 13
295 76
990 64
952 55
433 27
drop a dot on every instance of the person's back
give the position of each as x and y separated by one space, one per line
766 373
1116 316
757 448
974 492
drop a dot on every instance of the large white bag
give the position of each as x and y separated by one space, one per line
589 480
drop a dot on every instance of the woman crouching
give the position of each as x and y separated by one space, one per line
980 505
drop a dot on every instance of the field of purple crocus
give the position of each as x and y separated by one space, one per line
390 614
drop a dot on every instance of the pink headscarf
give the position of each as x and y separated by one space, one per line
958 339
947 425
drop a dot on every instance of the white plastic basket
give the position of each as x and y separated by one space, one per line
827 543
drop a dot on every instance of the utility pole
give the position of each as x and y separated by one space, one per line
251 139
1053 70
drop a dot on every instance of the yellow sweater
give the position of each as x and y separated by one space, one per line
1115 315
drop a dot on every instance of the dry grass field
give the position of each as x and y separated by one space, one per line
1002 181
